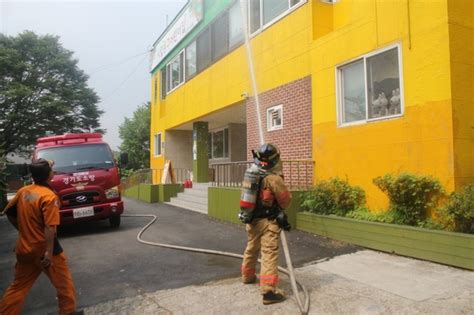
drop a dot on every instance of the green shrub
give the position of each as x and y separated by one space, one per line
383 217
333 196
460 208
410 195
432 224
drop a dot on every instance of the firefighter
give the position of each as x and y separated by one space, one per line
34 212
267 220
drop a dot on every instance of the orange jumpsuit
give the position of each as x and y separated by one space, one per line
36 207
263 236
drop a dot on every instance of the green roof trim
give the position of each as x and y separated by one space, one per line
212 9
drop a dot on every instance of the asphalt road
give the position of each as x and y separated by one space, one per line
109 264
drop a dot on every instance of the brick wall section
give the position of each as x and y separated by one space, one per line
294 139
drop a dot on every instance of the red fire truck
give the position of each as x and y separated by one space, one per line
86 177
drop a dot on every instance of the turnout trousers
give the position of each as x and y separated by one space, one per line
262 238
25 275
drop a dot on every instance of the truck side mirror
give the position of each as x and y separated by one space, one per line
123 158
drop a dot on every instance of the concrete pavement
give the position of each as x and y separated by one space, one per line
364 282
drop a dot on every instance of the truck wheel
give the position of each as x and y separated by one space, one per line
114 221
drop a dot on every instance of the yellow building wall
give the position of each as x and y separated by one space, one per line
461 37
281 55
421 141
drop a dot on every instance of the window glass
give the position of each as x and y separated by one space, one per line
78 157
209 145
220 39
274 118
158 144
353 91
236 33
383 84
218 144
273 8
181 68
370 87
163 83
191 60
294 2
203 50
226 142
254 14
175 72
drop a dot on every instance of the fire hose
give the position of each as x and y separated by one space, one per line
304 309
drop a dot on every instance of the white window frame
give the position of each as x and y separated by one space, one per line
269 117
276 19
169 72
158 145
339 85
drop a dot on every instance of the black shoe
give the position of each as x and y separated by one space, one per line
273 297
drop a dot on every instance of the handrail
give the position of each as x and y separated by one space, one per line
298 173
153 176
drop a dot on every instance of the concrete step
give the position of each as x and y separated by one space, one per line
200 186
194 192
197 198
188 205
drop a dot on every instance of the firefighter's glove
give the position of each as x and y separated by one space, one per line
282 221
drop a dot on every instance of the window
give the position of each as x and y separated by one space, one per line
158 144
275 118
264 12
220 37
175 72
236 33
273 8
203 48
254 15
164 88
369 88
191 60
218 144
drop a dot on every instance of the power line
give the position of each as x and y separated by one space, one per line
126 79
104 67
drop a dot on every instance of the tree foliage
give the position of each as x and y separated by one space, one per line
135 135
3 179
42 91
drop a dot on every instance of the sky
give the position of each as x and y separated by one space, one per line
111 39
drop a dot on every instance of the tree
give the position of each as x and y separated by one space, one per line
42 91
3 179
135 135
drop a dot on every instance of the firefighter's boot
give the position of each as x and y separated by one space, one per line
273 297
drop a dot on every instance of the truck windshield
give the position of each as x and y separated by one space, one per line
79 157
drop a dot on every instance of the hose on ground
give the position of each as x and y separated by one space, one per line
304 309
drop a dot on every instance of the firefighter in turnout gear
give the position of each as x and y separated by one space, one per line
264 224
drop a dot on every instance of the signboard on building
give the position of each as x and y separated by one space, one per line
190 17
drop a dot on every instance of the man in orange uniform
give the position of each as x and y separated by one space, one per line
263 232
34 211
